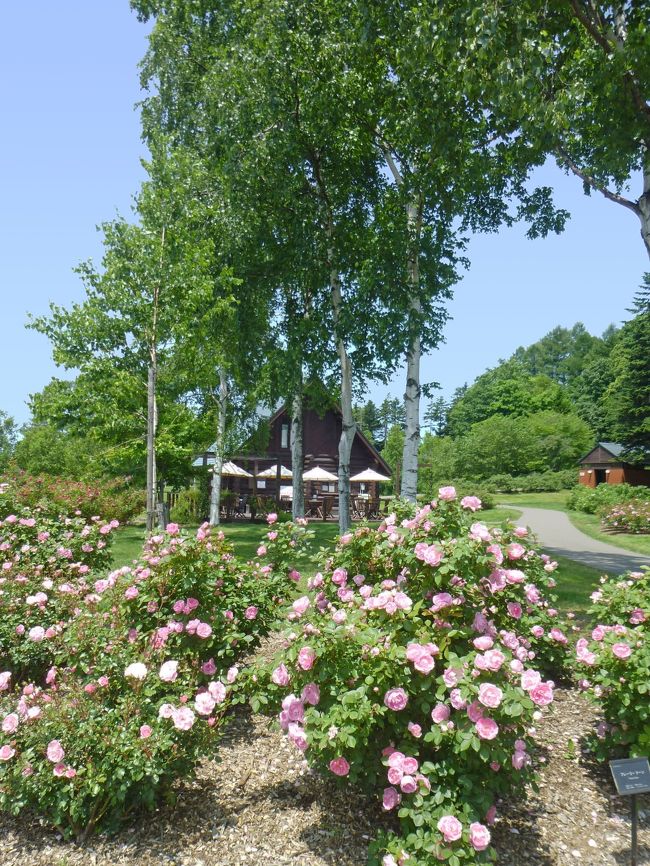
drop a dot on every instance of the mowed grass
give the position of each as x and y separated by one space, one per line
575 583
555 499
245 536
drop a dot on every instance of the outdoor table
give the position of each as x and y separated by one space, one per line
315 508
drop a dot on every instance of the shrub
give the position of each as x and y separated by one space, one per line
534 482
631 517
615 662
46 567
408 671
143 674
188 507
114 498
594 500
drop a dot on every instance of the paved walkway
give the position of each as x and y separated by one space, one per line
559 536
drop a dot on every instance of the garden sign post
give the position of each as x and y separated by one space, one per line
632 777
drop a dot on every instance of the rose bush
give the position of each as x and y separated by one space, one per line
113 498
144 670
614 664
410 670
628 517
46 567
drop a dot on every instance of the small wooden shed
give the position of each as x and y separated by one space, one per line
604 465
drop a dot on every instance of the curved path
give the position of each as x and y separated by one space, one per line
559 536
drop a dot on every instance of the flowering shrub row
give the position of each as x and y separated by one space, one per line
614 663
46 565
411 671
628 517
143 671
115 497
595 500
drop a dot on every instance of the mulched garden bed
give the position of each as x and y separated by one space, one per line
261 806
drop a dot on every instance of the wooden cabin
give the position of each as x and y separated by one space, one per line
321 434
604 465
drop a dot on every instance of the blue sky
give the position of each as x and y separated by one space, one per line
69 159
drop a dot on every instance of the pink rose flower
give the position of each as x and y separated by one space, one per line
450 827
391 799
408 784
300 605
339 766
209 667
483 643
145 732
479 836
541 694
514 609
168 671
55 751
424 664
415 729
490 695
10 723
396 699
306 658
36 634
204 703
487 728
280 676
440 713
515 551
251 612
471 502
622 650
311 694
447 493
6 752
529 679
203 630
183 718
271 518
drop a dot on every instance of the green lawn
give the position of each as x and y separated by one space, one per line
246 537
535 500
575 583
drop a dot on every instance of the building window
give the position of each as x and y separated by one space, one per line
261 483
284 436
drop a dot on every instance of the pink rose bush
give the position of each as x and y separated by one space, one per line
137 685
47 563
613 664
424 693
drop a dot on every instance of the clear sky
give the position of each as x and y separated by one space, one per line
69 159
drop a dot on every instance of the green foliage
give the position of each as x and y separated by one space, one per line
594 500
629 393
43 448
507 390
518 446
8 432
114 499
616 664
190 507
376 683
392 453
534 482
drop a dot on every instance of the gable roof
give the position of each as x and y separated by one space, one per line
612 448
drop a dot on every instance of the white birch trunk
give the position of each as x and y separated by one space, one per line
413 353
349 427
222 406
152 487
297 455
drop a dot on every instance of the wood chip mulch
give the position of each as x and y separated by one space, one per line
260 805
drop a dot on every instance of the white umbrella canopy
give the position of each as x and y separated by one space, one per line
231 470
318 474
369 475
286 492
272 472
